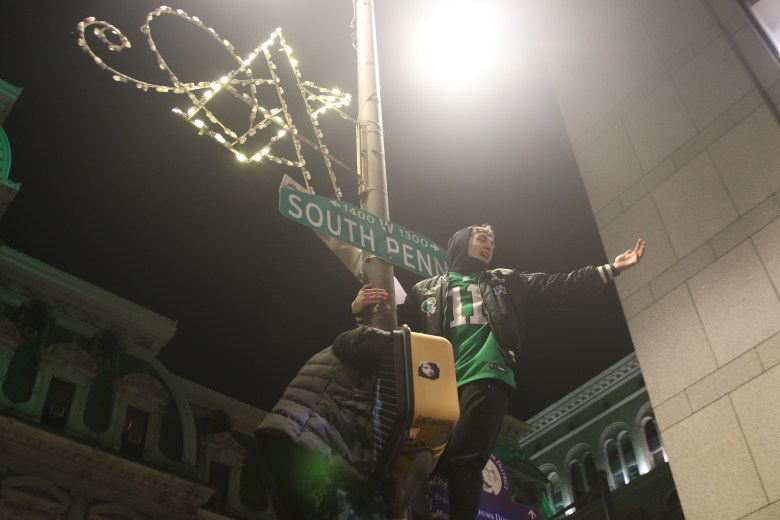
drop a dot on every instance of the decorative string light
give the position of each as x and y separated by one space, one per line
317 100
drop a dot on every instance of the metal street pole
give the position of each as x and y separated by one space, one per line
606 495
371 158
374 198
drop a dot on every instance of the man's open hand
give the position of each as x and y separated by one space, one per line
631 257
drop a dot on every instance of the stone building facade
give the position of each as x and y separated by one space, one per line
93 426
671 107
606 425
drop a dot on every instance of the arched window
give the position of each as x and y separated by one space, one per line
629 457
555 492
615 464
583 474
577 478
653 442
619 451
32 321
590 471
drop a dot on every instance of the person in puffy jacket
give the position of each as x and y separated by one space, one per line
317 438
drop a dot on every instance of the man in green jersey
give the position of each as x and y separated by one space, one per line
483 313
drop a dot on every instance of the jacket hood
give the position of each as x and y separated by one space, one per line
458 253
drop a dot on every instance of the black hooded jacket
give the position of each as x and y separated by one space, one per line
508 296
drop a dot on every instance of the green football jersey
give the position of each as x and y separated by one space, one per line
477 355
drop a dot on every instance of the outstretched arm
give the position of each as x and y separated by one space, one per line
566 290
630 258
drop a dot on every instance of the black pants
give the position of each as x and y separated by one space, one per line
483 404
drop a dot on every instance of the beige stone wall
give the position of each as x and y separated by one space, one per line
668 105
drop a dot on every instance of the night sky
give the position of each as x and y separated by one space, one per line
119 192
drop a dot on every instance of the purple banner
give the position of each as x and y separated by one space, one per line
496 502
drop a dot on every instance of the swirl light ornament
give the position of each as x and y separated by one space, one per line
265 126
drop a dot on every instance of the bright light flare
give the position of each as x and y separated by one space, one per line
458 42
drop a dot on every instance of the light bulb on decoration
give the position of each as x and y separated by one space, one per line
202 92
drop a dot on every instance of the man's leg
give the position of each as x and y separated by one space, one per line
483 404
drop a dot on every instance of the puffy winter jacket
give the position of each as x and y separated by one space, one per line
327 406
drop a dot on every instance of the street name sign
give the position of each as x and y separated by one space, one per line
348 223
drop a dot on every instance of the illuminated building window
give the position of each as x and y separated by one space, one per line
629 456
653 442
134 432
555 492
621 458
142 399
615 464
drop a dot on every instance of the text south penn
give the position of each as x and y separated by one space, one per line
369 232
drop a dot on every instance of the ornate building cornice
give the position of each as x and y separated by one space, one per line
81 306
511 430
